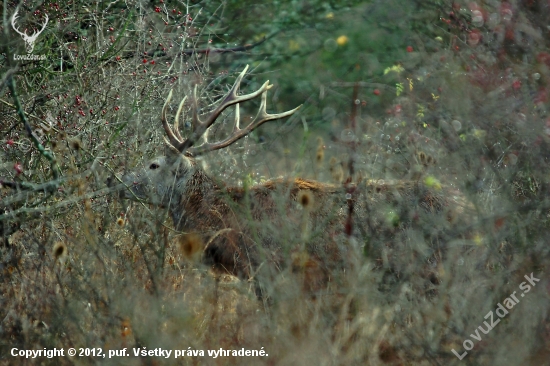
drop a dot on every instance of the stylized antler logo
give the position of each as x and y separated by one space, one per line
29 40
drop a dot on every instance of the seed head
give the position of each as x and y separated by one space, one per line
425 159
75 144
190 244
305 199
59 250
320 155
336 170
125 328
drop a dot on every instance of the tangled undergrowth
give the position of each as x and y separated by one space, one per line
446 250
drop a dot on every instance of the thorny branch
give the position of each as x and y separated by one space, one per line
208 50
10 82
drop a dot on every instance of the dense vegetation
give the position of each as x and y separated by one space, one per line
452 96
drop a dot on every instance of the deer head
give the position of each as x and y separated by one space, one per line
29 40
166 178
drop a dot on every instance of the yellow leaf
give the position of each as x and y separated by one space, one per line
420 113
479 133
395 68
399 88
432 182
342 40
293 45
410 84
478 239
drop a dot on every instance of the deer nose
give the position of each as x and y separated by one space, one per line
118 188
110 181
114 181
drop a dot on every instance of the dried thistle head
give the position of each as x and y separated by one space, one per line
59 251
300 260
336 170
305 199
425 159
125 328
320 154
81 188
190 245
75 144
87 205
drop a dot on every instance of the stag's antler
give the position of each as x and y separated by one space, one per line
29 40
200 127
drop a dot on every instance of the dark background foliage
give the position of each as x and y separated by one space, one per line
449 94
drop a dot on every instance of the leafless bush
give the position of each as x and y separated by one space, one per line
466 124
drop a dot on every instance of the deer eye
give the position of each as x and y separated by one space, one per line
154 166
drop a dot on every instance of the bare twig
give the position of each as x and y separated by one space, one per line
189 52
23 117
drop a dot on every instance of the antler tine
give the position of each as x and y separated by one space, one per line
237 126
172 139
239 133
177 120
195 122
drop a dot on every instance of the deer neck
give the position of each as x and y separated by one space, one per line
198 203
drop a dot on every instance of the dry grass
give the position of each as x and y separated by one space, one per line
455 181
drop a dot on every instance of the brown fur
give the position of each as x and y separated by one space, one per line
228 219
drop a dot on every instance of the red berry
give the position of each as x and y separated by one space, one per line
18 168
376 92
409 49
10 142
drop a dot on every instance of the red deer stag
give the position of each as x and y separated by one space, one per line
280 222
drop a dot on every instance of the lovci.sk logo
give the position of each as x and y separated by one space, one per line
29 39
